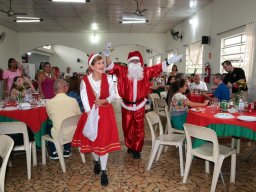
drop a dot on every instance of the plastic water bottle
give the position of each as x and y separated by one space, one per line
241 105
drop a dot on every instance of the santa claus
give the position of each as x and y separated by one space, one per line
133 87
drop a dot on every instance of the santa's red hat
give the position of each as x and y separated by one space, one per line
135 55
91 57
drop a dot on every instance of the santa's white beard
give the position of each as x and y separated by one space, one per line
135 71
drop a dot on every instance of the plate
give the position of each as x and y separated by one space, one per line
224 116
24 108
196 109
246 118
9 108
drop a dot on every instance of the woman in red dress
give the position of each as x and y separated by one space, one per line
98 89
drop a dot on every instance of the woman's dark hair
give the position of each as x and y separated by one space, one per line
9 62
178 84
97 58
14 81
41 65
46 63
74 84
176 67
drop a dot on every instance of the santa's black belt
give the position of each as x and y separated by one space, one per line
129 102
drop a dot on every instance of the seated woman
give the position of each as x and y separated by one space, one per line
74 90
19 88
180 104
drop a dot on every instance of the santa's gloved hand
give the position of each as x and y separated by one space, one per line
174 59
107 50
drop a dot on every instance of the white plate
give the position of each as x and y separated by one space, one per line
224 116
246 118
24 108
196 109
9 108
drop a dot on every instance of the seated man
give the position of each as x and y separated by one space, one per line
59 108
198 84
221 92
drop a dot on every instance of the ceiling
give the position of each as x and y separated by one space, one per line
66 17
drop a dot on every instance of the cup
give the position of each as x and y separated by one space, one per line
213 107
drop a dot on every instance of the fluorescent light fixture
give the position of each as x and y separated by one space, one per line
28 20
22 19
138 18
133 21
29 53
69 1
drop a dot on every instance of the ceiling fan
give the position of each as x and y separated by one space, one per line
138 12
10 11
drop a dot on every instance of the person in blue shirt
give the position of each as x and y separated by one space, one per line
222 91
74 91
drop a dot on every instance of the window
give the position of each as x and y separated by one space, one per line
233 49
150 62
169 67
158 59
192 67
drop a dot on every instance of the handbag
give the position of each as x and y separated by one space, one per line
90 129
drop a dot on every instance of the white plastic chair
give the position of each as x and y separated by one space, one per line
152 96
63 138
159 141
20 127
210 151
6 145
160 105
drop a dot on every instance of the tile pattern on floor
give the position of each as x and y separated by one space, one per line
126 173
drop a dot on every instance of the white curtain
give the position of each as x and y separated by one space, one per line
249 59
194 51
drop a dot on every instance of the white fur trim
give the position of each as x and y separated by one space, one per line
133 58
110 67
134 108
91 59
164 66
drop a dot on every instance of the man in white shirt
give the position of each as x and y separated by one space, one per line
59 108
198 84
68 73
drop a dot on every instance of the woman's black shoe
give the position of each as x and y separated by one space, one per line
104 178
96 167
129 150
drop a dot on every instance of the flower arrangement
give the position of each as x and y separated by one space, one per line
21 90
240 86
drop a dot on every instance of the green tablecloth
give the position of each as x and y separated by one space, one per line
38 134
228 130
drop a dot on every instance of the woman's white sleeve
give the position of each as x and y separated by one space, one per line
84 97
112 90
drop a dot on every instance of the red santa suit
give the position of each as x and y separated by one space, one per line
134 94
107 139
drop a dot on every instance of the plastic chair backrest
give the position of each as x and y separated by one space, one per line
160 104
13 128
6 145
154 120
163 94
168 116
204 133
67 129
152 97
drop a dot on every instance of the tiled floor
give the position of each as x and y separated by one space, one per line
126 173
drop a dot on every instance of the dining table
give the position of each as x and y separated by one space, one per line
236 124
35 118
198 98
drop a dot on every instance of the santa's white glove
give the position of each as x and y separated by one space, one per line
107 50
174 59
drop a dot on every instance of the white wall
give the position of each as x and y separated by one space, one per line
9 47
216 17
37 58
81 41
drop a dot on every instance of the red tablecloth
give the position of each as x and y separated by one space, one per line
198 98
33 117
207 118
